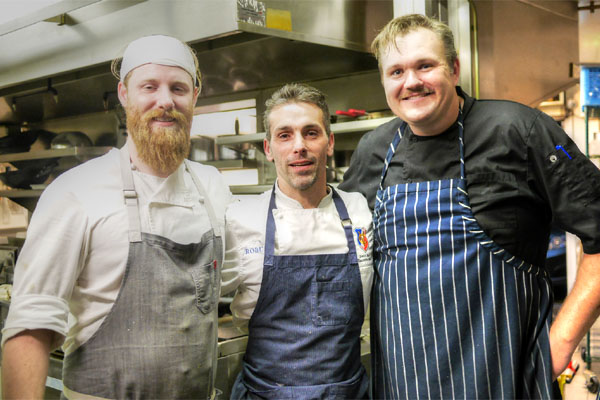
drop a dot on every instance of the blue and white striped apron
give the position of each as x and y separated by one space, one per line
453 314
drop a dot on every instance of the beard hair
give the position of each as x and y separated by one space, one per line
163 149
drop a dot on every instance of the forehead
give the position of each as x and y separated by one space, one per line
295 113
418 44
157 72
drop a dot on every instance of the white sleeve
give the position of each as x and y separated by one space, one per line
48 266
231 271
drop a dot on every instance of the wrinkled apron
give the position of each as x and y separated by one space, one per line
453 314
304 334
159 339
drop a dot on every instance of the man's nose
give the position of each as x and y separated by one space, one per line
165 99
299 143
412 80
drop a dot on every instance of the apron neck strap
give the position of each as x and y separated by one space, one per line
207 204
398 137
132 203
130 196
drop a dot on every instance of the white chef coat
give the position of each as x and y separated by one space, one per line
70 269
299 231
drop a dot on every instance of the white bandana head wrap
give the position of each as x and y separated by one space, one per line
157 49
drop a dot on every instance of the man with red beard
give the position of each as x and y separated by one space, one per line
123 254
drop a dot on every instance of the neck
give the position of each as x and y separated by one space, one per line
140 165
309 198
441 126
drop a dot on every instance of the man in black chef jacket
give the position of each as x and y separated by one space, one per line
463 193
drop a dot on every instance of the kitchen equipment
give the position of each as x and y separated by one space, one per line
66 140
20 142
34 173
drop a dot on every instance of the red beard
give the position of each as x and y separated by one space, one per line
163 149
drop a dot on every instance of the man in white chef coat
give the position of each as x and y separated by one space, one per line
123 254
300 258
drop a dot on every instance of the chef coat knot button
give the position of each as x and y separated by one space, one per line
553 158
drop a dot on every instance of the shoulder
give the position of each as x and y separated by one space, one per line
209 175
382 135
357 206
215 186
248 211
506 115
87 179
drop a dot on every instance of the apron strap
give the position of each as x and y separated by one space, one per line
130 196
344 217
132 204
346 223
209 209
270 232
399 133
391 151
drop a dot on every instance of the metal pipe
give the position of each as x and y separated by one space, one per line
475 54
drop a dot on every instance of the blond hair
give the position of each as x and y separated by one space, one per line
408 23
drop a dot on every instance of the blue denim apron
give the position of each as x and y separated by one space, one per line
453 314
159 340
304 334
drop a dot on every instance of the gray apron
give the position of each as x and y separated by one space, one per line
160 338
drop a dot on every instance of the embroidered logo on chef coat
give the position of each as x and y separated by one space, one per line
361 237
253 250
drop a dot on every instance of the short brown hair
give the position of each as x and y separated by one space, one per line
408 23
296 93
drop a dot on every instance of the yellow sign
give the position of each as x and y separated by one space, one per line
279 19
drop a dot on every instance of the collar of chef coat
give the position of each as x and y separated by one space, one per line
284 201
177 189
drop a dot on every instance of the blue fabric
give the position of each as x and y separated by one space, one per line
304 334
453 314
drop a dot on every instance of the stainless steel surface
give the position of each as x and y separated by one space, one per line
525 50
589 32
68 152
358 125
232 164
337 23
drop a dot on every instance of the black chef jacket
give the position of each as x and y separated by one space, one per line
519 182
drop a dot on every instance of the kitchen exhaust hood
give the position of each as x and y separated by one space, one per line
242 45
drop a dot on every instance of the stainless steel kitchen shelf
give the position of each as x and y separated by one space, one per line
58 153
232 164
249 189
20 193
337 128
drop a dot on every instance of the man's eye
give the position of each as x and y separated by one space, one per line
148 87
397 72
426 66
283 135
312 133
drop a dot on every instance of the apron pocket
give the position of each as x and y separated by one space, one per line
204 281
330 303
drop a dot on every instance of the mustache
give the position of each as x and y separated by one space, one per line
178 116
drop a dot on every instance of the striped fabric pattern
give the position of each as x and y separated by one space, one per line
453 314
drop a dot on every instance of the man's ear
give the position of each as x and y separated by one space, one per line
267 148
122 92
330 145
456 71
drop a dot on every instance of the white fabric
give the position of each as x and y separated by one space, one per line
298 231
157 49
76 248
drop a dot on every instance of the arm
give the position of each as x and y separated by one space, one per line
577 314
25 364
